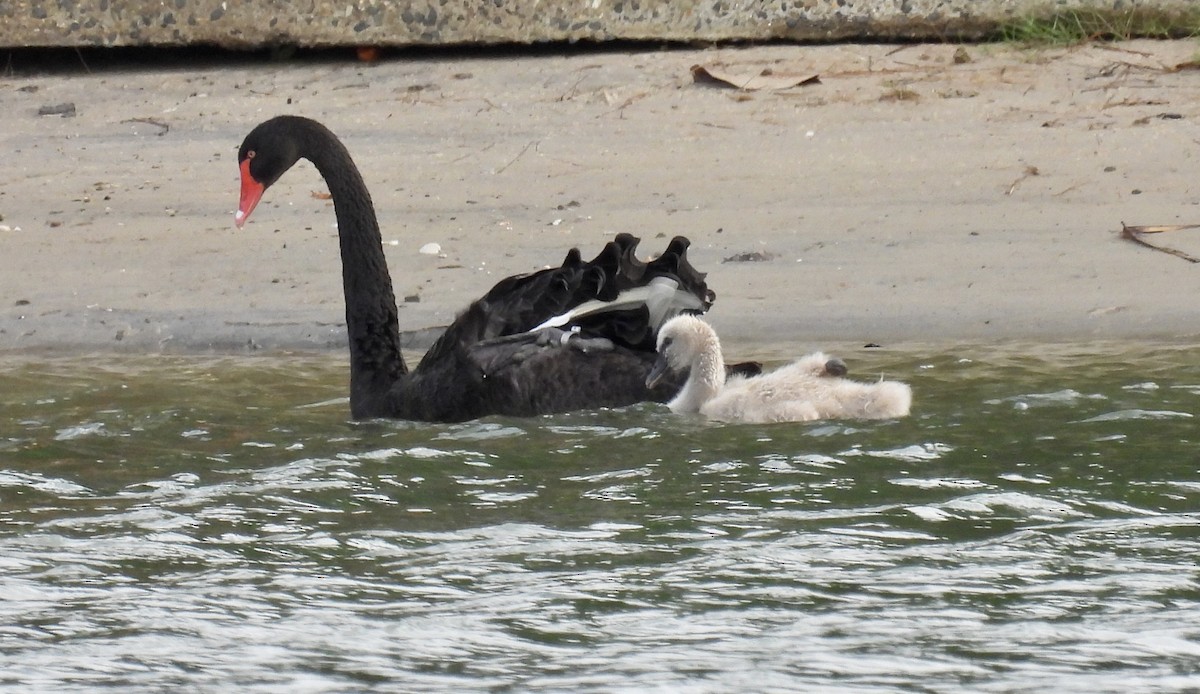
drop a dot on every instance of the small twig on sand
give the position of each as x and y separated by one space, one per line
1135 234
572 92
150 121
490 107
1029 171
473 153
519 155
620 110
1122 49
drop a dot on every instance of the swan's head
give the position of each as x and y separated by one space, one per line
680 341
268 151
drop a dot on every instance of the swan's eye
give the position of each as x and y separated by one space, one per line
250 154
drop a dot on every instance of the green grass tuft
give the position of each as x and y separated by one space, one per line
1073 27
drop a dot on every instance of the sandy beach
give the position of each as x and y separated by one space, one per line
930 194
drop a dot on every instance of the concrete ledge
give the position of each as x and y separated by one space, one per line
257 24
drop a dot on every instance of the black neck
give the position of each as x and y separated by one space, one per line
371 318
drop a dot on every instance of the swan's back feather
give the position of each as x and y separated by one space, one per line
520 303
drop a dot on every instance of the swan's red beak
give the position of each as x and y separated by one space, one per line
252 192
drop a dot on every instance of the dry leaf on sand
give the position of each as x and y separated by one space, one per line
1135 234
750 79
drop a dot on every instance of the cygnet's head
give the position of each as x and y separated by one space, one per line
680 341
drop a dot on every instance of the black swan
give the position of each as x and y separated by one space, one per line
807 389
578 336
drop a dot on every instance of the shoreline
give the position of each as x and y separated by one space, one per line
911 197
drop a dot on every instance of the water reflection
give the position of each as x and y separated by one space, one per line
217 523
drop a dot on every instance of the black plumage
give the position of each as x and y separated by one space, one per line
494 358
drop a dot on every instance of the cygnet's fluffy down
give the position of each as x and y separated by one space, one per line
808 389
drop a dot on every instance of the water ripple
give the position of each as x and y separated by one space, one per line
230 541
1122 415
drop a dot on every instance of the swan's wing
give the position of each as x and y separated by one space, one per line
661 296
557 371
613 290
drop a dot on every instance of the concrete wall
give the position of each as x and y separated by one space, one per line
250 24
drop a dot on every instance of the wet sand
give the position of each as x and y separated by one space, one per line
911 196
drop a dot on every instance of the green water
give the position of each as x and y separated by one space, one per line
201 524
